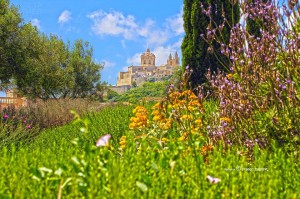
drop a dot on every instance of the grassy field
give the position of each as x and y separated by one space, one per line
63 162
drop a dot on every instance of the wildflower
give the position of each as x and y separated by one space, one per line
5 116
123 142
28 126
103 141
186 117
141 118
198 122
213 180
229 76
206 148
226 119
167 124
164 140
194 130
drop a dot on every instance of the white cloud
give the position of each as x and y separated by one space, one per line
117 24
36 22
113 23
145 30
176 23
64 17
135 60
107 64
161 54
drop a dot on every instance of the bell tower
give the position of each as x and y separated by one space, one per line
147 58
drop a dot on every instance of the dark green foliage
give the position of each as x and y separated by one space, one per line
10 52
197 53
44 66
194 48
111 94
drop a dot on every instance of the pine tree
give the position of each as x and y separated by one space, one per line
197 53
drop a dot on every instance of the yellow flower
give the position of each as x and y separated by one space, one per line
194 130
174 95
141 118
132 125
182 138
226 119
198 122
206 148
185 134
186 117
194 103
164 140
229 76
158 118
155 112
123 142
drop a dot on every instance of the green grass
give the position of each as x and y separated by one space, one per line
174 172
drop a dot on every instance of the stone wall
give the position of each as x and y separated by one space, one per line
120 89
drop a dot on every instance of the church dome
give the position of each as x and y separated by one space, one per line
147 58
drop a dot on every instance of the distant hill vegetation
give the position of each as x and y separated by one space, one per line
147 89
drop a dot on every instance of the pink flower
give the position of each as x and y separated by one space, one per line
103 141
5 116
28 127
213 180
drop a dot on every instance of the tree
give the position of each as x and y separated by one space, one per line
44 72
10 23
52 70
194 48
198 53
86 72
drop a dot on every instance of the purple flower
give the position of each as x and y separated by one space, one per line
284 87
5 116
103 141
28 126
213 180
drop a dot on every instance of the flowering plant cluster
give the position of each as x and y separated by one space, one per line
178 117
14 128
260 95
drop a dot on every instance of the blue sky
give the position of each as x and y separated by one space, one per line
119 30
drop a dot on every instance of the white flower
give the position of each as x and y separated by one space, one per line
103 141
213 180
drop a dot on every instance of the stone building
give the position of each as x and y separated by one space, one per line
147 70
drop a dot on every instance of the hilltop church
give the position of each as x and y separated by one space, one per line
147 70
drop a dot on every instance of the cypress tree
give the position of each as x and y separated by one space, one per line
196 52
194 48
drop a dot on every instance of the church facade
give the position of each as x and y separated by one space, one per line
147 70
